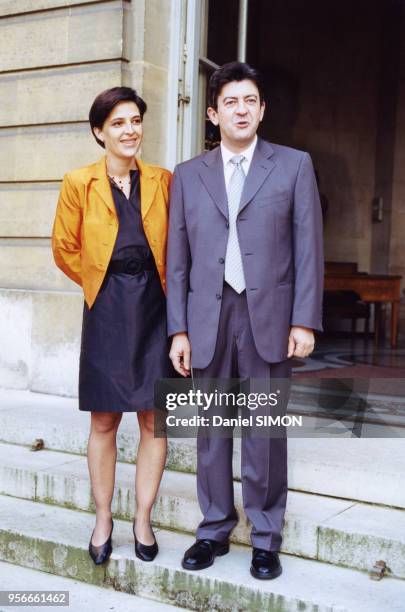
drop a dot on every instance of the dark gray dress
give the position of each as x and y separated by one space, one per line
124 347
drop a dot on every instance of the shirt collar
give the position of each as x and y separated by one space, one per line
247 153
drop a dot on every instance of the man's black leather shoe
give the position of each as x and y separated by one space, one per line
202 554
265 564
101 554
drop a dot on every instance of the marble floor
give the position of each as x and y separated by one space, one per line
336 352
352 381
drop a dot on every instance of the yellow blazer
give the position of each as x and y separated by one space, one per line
86 223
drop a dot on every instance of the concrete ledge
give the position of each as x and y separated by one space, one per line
41 354
337 468
15 338
82 596
56 324
25 416
45 542
322 528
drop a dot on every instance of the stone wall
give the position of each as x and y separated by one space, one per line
54 62
56 56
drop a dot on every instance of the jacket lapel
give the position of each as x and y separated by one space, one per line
148 186
147 182
260 168
102 184
212 175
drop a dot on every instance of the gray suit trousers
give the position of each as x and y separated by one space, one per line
264 458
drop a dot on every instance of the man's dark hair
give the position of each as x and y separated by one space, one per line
233 71
107 100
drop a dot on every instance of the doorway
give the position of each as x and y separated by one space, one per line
334 86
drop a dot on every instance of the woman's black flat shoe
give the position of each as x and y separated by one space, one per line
143 552
101 554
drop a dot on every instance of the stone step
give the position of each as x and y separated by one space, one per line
357 469
55 540
341 532
82 596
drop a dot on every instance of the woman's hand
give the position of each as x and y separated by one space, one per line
66 241
180 354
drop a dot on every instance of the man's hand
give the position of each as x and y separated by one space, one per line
301 342
180 353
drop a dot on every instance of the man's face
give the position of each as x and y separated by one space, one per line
238 113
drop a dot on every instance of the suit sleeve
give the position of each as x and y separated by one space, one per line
178 260
66 244
308 249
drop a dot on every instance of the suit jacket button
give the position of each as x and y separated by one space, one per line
218 296
227 224
221 260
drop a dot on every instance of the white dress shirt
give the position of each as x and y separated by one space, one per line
229 167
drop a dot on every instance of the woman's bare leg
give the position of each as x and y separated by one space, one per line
101 459
149 469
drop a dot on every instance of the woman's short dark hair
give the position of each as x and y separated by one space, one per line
233 71
107 100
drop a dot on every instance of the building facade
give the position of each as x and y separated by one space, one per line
335 83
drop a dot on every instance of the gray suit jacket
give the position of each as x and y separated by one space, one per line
280 234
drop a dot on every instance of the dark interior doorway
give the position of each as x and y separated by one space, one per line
334 76
331 78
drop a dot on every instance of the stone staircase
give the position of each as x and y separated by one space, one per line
345 512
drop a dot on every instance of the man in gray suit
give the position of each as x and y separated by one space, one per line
244 282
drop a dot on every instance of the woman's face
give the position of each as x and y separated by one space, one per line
122 131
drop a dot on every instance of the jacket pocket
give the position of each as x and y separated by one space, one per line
272 201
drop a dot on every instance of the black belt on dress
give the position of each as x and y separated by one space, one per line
131 265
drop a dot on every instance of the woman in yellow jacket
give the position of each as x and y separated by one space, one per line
109 236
